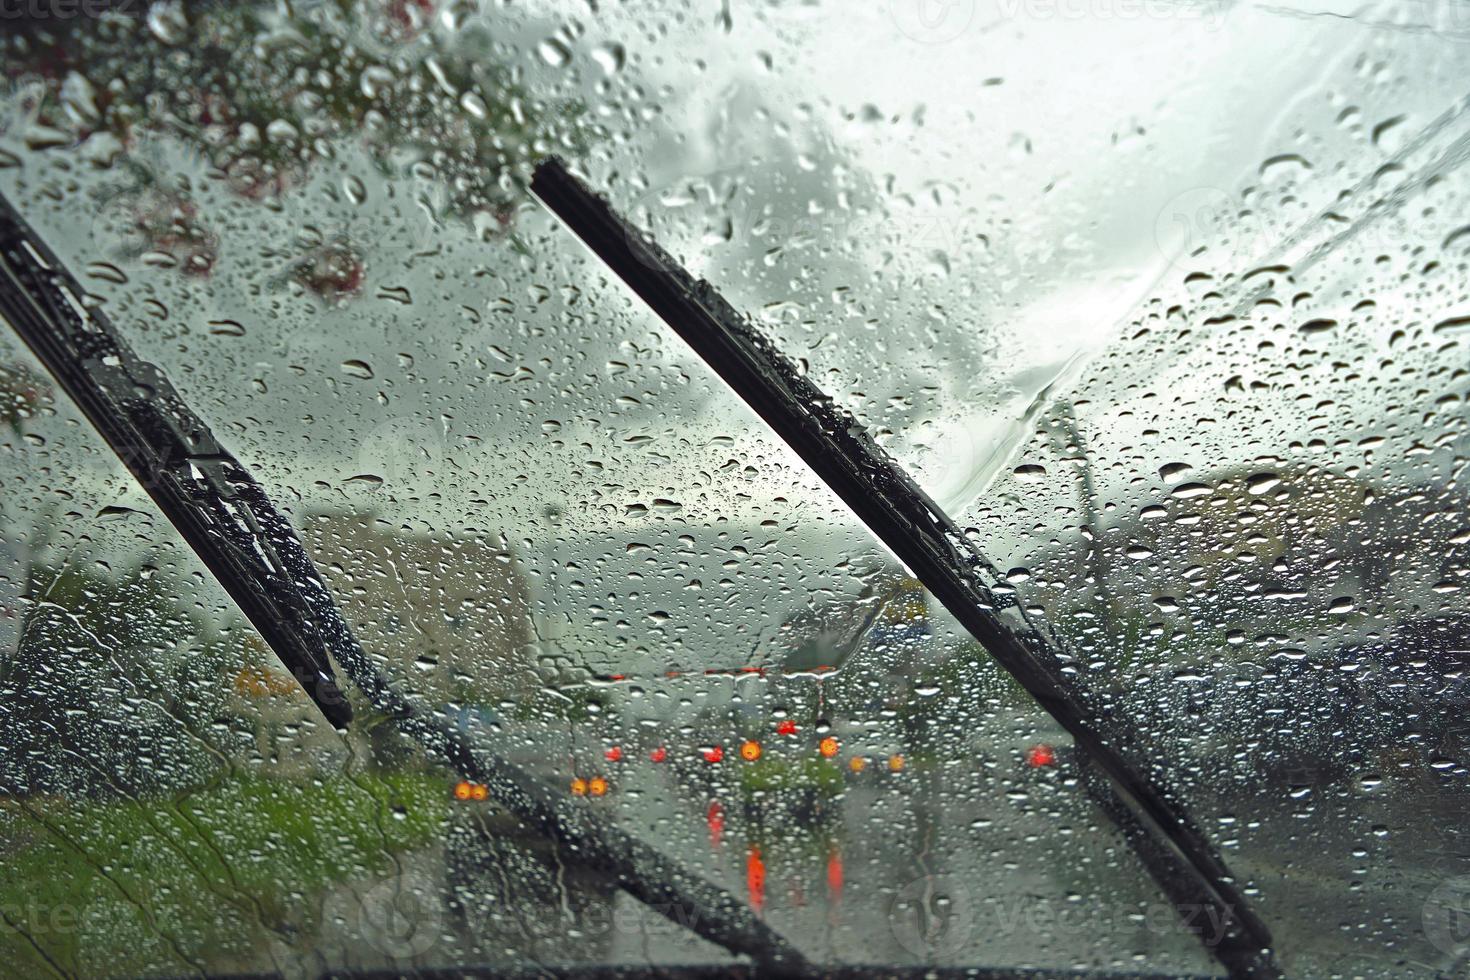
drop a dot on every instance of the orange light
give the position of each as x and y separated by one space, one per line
1041 755
786 727
828 747
579 787
750 750
714 753
659 754
857 763
614 754
479 791
895 763
461 791
597 786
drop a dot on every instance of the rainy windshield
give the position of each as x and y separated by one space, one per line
1156 308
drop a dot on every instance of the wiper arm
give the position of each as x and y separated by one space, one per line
218 508
887 500
225 517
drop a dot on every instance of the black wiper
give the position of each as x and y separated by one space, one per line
214 502
887 500
226 518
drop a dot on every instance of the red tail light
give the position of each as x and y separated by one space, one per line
786 727
714 754
614 754
659 754
1041 755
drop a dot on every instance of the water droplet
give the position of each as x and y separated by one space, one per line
610 57
1172 473
554 53
357 369
1284 165
166 21
474 105
1319 325
1262 483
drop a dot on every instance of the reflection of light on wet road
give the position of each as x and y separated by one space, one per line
715 817
755 878
834 876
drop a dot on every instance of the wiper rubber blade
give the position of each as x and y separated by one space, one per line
211 499
894 508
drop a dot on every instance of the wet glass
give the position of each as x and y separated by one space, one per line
1159 299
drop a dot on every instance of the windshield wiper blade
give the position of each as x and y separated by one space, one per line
888 501
214 502
226 518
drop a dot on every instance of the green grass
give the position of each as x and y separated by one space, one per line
200 881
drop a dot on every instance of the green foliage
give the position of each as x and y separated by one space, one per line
771 775
111 686
263 92
174 885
